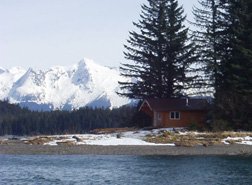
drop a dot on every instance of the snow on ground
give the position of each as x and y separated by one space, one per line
125 138
121 141
141 134
239 140
129 138
136 137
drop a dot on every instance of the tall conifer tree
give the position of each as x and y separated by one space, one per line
235 95
207 37
160 55
224 38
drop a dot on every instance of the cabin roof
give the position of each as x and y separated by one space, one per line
184 104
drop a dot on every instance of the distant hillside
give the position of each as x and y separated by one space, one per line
18 121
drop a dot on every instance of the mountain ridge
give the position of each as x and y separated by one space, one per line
60 87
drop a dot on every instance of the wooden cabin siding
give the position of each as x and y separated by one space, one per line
186 119
156 122
146 109
191 111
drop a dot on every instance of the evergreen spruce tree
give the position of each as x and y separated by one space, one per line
160 55
224 43
207 37
235 94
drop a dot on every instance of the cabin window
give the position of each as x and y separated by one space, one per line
174 115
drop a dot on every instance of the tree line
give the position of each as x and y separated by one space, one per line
15 120
167 60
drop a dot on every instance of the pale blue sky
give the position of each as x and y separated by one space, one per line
45 33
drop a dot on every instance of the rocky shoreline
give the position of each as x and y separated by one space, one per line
128 142
24 149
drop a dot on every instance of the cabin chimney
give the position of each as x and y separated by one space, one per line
187 102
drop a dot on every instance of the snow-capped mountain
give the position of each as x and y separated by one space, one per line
83 84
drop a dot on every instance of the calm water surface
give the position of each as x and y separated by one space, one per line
144 170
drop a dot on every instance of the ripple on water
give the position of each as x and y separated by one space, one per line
74 169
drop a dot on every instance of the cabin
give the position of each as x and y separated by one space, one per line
175 112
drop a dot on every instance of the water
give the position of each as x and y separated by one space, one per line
142 170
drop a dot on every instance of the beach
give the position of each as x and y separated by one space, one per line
24 149
133 142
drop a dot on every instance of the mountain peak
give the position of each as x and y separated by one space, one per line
85 60
89 64
81 73
83 84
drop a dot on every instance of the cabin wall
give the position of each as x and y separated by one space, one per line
162 119
146 109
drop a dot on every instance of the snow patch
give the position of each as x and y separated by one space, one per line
247 140
126 138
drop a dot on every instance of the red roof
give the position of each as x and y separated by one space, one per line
176 104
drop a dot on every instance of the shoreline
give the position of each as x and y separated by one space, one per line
24 149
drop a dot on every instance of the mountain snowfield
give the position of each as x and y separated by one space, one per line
83 84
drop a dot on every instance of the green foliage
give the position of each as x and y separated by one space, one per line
207 37
220 125
224 40
17 121
234 96
160 53
194 126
